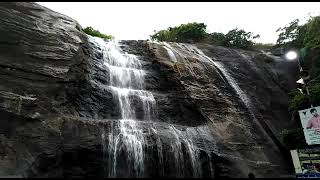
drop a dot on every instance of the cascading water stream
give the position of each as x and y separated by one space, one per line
242 95
126 80
220 66
170 52
124 141
192 152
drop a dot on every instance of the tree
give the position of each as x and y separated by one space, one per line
218 39
239 38
194 32
191 31
305 38
312 33
288 33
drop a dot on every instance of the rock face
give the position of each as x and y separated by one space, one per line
243 95
219 112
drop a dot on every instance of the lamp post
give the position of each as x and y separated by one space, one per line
292 55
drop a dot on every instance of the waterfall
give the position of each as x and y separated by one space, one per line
193 49
242 95
125 141
125 136
192 151
170 52
233 83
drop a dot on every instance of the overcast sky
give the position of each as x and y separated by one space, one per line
138 20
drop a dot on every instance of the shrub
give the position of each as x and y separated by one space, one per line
301 101
312 35
262 46
289 33
293 138
89 30
217 39
194 32
239 38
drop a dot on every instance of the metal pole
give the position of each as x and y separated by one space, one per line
308 94
300 68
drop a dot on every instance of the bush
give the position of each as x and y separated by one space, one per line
196 32
239 38
264 47
304 36
293 138
312 35
217 39
297 101
301 101
289 33
306 39
89 30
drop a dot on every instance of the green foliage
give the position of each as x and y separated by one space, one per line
185 32
196 32
315 94
312 33
288 33
217 39
164 35
306 38
301 101
240 38
293 138
298 36
262 46
191 31
237 38
297 101
89 30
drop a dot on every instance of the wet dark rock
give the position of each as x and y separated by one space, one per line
56 103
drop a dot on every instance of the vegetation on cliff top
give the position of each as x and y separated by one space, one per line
89 30
197 32
304 38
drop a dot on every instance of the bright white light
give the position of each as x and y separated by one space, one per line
291 55
300 81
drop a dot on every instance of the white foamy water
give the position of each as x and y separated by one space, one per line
192 150
126 80
233 83
226 74
124 143
170 52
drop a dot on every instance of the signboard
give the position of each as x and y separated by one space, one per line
310 120
306 163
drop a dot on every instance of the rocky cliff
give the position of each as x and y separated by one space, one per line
222 109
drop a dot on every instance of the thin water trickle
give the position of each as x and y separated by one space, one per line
233 83
226 74
170 52
192 151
